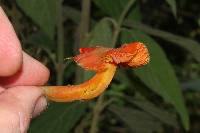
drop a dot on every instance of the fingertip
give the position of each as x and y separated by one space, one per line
35 71
10 48
11 61
32 72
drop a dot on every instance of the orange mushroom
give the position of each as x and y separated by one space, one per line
104 62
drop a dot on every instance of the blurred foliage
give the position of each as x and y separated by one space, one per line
160 97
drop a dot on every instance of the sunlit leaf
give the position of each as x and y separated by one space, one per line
159 75
59 118
42 12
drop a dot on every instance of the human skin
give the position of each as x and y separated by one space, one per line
21 99
20 74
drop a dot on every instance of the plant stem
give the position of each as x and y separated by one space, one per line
85 20
83 30
121 19
60 45
96 113
99 107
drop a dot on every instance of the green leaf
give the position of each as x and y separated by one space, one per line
159 74
134 14
72 13
42 12
40 40
190 45
115 11
172 4
162 115
138 121
101 35
59 118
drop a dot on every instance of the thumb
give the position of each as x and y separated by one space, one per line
17 105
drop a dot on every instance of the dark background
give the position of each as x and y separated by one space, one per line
160 97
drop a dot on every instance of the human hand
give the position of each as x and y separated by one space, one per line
20 74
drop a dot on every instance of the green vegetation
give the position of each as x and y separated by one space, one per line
160 97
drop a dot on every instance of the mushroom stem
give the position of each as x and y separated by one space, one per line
87 90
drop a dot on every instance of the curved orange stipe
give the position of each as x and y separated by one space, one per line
89 89
104 62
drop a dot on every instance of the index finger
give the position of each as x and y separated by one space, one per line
10 48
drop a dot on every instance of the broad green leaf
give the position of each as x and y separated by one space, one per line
75 16
162 115
159 75
72 14
58 118
190 45
172 4
40 40
101 35
134 14
115 11
138 121
42 12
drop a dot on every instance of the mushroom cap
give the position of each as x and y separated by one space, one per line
133 54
